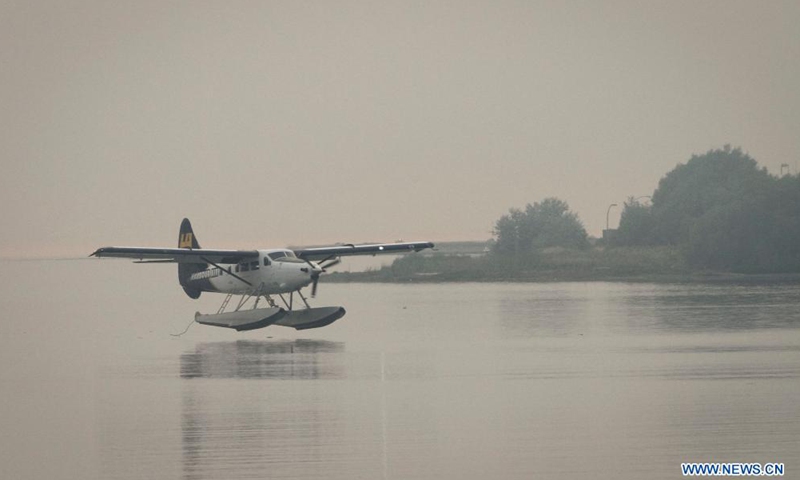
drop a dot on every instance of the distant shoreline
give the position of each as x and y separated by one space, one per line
625 264
553 277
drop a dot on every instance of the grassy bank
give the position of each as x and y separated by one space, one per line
648 264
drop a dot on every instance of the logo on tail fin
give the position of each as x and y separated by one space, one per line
185 240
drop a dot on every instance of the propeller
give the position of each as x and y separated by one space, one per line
315 279
334 262
318 270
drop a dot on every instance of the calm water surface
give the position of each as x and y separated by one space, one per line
567 380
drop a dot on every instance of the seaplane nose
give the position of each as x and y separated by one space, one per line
312 268
315 268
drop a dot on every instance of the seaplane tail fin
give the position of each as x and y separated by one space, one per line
187 239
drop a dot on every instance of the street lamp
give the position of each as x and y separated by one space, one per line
609 211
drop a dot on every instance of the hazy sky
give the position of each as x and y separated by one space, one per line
273 123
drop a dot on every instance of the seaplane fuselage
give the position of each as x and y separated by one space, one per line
274 271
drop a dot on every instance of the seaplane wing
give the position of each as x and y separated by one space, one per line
177 255
323 253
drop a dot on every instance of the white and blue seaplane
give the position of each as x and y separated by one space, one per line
256 274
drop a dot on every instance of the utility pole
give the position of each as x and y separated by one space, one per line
607 233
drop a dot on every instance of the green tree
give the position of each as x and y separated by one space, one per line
545 224
726 213
758 233
686 193
636 225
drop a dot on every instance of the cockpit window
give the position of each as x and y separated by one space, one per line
285 256
277 255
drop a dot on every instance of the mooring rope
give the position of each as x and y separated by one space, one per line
186 330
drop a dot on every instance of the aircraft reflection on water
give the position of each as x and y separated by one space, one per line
243 417
298 359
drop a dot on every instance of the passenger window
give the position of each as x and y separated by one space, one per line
266 261
237 268
253 265
245 267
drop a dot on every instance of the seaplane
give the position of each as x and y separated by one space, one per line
256 274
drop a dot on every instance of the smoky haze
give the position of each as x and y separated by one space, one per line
276 123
